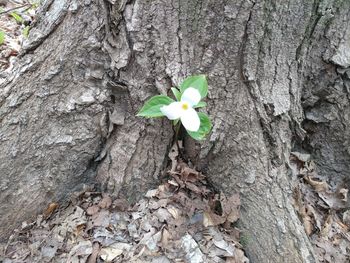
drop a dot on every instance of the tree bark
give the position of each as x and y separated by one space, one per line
67 113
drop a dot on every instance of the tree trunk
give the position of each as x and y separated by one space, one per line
67 113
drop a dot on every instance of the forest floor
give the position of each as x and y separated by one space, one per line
182 220
16 16
323 209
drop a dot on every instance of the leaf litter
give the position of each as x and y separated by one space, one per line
182 220
323 209
16 16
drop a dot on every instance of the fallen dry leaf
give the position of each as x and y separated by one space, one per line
174 211
302 211
316 217
343 194
106 201
225 246
162 214
152 193
328 253
151 240
120 204
212 219
319 186
303 157
332 200
101 218
191 248
307 222
79 229
155 204
230 211
50 210
238 257
231 207
327 226
80 252
190 175
193 187
173 154
166 236
49 251
113 251
94 254
346 218
92 210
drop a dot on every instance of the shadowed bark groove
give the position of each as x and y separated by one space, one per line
68 112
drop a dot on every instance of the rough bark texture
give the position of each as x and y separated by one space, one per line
68 113
52 112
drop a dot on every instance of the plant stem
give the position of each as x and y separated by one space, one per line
177 130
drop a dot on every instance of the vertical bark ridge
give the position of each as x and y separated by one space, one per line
52 111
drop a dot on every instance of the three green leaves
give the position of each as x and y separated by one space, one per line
188 97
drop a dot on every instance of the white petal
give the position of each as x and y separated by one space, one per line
191 96
190 120
173 111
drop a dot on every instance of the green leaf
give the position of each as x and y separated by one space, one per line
35 4
153 105
204 128
17 17
200 104
2 37
25 31
198 82
175 122
176 93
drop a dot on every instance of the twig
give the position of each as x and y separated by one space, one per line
16 2
14 8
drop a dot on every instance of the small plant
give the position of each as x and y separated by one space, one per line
244 240
182 111
19 19
2 37
25 31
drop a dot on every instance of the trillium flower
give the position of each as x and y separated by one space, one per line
188 95
184 110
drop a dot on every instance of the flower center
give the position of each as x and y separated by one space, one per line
184 106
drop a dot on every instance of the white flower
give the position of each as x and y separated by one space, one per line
183 109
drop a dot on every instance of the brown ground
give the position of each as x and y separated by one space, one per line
182 220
